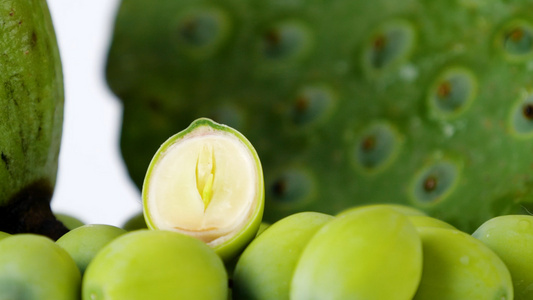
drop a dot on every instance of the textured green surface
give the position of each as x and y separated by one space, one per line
31 115
426 103
31 96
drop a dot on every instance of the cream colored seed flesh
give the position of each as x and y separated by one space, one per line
203 186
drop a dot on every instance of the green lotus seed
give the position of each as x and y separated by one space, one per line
84 242
511 237
155 264
33 267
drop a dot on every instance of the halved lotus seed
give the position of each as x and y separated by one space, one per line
206 182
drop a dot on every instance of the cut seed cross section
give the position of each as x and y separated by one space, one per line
205 182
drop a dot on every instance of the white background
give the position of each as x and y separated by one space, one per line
93 184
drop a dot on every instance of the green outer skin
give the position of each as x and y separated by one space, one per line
163 89
31 118
511 238
368 253
458 266
69 221
135 222
3 235
403 209
230 248
155 264
33 267
262 227
425 221
264 270
31 97
84 242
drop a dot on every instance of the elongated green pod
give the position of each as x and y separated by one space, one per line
31 118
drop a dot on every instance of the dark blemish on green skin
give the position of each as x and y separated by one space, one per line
10 91
6 161
29 212
33 40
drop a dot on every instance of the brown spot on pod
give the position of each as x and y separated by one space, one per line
376 147
390 45
435 181
312 104
285 41
515 40
521 117
201 32
452 92
290 187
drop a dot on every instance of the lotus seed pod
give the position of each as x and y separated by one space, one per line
511 238
264 270
155 264
206 181
33 267
458 266
368 253
31 118
84 242
421 103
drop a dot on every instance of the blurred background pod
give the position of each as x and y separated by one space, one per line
424 103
